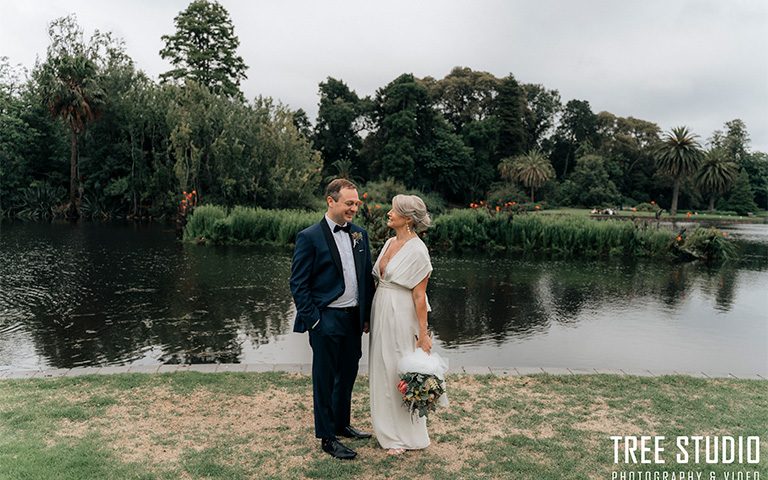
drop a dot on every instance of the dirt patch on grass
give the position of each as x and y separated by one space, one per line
271 432
602 419
159 424
67 429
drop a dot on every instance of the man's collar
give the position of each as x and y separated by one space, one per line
332 224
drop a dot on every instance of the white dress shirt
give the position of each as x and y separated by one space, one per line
344 245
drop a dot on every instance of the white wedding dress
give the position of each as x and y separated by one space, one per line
394 327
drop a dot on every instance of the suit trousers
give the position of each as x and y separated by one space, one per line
336 352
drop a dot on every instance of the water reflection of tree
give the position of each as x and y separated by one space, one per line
110 297
481 300
472 305
228 295
90 295
720 284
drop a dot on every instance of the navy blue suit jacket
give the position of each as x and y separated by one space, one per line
317 278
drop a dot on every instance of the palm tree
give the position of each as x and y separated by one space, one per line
532 169
716 175
343 168
678 155
71 92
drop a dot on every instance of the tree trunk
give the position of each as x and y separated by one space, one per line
675 192
133 177
712 203
73 212
532 200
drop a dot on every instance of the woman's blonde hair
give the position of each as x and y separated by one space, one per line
411 206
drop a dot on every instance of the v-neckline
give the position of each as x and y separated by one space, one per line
381 274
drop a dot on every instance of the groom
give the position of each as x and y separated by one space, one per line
332 287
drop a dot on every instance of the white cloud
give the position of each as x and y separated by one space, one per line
698 62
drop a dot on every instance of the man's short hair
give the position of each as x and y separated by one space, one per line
334 188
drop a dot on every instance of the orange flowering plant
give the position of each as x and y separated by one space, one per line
188 201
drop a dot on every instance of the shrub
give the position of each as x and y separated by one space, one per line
382 192
506 193
709 244
646 207
40 201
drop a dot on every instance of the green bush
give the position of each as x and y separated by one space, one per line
40 201
381 192
646 207
708 244
506 193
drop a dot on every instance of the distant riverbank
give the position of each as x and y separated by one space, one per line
560 236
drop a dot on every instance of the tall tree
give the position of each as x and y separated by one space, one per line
577 129
758 163
70 88
404 116
465 96
735 145
740 198
716 174
678 155
589 185
532 169
204 49
413 143
466 99
337 130
509 108
541 108
627 145
302 123
17 137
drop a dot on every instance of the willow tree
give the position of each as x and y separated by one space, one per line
70 89
679 156
532 169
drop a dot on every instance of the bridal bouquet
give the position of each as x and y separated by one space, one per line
422 381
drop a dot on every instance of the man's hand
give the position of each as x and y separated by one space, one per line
366 327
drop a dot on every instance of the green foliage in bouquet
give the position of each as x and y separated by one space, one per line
420 392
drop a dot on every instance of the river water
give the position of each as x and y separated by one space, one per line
118 294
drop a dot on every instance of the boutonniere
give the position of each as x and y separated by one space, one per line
356 237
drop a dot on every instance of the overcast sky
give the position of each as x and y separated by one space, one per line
698 63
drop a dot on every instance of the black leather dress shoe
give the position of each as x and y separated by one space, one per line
337 449
350 432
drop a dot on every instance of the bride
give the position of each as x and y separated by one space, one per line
399 324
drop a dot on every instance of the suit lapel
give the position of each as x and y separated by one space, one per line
357 256
331 245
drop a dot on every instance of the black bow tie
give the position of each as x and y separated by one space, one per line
346 228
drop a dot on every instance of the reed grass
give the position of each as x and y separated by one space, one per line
212 224
471 230
560 236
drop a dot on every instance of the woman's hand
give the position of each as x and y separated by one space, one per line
424 342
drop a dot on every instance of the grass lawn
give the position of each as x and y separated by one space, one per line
242 426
